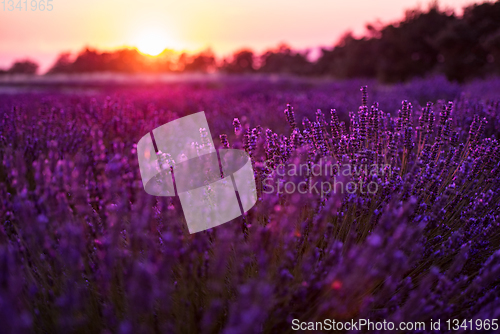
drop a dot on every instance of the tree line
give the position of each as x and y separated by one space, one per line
425 42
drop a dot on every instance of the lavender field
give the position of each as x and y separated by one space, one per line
84 249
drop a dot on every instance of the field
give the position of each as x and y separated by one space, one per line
84 249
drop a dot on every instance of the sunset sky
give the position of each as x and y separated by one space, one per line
192 25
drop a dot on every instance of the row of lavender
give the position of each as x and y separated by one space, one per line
84 249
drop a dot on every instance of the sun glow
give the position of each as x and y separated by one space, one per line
152 42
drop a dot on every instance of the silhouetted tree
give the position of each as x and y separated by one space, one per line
407 50
491 45
202 62
350 58
284 60
24 67
434 41
63 64
242 62
396 52
468 46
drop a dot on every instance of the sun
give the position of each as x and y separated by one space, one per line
151 42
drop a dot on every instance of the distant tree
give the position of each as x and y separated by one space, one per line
90 60
202 62
408 50
24 67
460 55
491 45
242 62
284 60
432 41
63 64
395 52
469 46
350 58
125 61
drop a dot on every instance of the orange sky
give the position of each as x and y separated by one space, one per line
223 25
